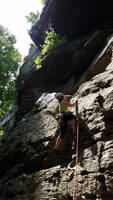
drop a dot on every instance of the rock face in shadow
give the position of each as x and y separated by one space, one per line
29 168
71 18
80 17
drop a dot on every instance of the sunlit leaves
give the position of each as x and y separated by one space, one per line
32 17
38 62
51 41
9 62
42 2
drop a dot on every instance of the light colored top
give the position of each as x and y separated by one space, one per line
62 107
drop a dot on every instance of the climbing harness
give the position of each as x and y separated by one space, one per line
77 154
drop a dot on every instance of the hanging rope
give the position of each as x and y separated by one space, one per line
77 154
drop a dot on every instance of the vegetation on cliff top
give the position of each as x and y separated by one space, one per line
42 2
32 17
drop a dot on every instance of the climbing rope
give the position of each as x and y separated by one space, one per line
77 154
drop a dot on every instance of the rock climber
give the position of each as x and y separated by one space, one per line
64 117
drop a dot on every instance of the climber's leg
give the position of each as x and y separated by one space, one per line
62 129
73 125
59 142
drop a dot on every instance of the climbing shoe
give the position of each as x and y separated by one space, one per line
56 152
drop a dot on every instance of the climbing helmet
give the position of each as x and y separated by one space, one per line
59 95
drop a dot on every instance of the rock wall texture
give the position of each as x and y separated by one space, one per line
29 169
72 59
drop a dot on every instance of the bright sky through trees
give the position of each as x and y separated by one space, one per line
12 16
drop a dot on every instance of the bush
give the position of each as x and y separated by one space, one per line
52 40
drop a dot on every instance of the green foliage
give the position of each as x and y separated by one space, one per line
32 17
9 63
1 132
42 2
52 40
38 62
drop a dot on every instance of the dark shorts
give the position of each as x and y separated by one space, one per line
63 122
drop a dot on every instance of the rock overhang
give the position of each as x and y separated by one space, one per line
71 18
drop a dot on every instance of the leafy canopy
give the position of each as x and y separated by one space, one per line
32 17
9 63
42 2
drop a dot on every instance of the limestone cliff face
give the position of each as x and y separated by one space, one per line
29 170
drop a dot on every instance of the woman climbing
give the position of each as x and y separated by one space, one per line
65 118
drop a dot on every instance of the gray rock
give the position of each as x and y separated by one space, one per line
28 167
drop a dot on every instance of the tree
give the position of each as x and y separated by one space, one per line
42 2
32 17
9 63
